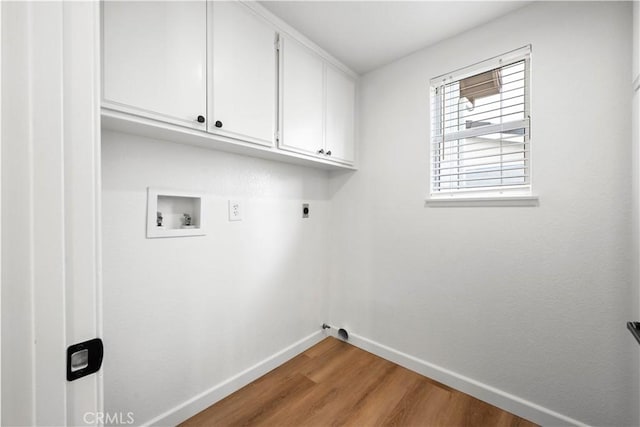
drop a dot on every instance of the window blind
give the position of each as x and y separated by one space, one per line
480 128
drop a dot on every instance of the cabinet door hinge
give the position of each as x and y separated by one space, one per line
277 135
277 43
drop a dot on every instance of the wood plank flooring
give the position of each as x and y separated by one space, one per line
336 384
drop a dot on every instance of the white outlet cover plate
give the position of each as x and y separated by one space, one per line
235 210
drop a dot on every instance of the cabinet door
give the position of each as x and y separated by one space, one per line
244 81
340 108
301 98
154 59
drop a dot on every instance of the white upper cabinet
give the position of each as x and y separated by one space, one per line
302 98
243 76
154 60
317 105
339 113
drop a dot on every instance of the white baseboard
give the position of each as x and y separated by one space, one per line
503 400
521 407
207 398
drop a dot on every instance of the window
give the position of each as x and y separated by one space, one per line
480 144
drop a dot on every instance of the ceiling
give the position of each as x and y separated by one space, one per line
365 35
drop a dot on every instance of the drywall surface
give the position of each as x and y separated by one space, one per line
182 315
530 300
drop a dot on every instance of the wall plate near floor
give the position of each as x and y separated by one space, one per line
174 213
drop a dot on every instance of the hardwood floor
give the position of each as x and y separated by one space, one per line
334 383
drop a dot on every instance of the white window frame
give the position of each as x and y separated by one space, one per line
497 196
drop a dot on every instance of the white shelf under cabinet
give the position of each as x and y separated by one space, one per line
137 125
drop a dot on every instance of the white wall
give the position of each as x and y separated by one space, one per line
532 301
182 315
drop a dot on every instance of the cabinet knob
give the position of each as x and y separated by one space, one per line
200 119
329 153
218 124
321 151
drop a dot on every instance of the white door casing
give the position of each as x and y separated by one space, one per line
51 199
81 28
0 214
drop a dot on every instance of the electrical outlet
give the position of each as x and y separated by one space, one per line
235 212
305 210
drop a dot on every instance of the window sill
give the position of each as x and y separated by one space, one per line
509 201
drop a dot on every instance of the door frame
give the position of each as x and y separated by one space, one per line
51 153
82 146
